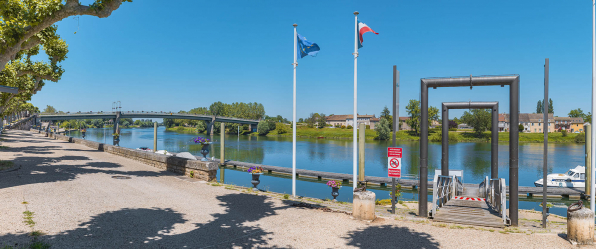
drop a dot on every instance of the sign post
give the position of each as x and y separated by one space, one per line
393 170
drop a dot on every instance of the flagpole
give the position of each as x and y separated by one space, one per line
294 115
593 141
355 118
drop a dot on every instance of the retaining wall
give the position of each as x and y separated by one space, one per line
206 171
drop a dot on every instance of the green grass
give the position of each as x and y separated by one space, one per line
434 135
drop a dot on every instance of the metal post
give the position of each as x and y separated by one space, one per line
423 198
294 114
545 131
588 145
362 128
593 149
395 129
222 133
154 136
355 117
513 152
494 143
445 142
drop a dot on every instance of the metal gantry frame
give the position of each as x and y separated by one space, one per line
494 141
513 82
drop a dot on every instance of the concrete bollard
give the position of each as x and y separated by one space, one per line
364 205
580 226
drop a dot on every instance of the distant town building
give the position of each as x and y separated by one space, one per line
403 124
464 126
345 120
569 124
503 122
533 122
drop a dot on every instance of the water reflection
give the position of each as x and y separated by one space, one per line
336 155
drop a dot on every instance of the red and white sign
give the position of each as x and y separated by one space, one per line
394 162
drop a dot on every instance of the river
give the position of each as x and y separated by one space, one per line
336 156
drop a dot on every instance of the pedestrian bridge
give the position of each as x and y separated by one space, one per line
119 115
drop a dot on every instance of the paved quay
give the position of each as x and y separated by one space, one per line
78 204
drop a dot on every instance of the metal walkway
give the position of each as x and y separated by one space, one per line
469 212
486 210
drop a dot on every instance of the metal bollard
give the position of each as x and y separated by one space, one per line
580 224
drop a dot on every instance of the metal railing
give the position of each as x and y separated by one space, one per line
495 193
444 189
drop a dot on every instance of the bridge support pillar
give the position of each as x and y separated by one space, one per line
222 155
117 123
210 126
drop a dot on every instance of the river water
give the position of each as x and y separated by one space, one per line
336 156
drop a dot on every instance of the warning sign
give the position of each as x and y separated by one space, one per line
394 162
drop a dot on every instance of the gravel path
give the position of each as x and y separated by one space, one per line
77 204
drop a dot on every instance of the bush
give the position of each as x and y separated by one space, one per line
452 129
382 129
564 133
281 128
580 138
343 126
349 127
368 127
263 127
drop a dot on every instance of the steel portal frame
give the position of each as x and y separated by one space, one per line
513 82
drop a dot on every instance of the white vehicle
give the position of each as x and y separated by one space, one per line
574 178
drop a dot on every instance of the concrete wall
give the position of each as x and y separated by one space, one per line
206 171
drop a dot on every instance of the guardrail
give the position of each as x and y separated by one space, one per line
444 189
495 193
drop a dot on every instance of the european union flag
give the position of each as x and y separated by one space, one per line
307 48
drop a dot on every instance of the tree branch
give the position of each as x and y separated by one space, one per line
36 75
71 8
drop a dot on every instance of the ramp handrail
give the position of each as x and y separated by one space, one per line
495 193
444 189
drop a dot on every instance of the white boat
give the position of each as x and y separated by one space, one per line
574 178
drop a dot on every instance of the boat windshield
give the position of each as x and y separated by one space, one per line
570 173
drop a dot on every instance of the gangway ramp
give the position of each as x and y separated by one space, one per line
469 211
452 203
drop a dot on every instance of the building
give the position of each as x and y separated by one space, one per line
533 122
464 126
346 120
569 124
504 122
403 126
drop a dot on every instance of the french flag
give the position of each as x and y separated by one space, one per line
363 28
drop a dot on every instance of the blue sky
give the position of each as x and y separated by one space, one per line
152 55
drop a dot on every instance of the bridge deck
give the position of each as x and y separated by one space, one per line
468 212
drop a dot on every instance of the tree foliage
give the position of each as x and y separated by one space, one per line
413 109
540 106
383 130
49 109
480 119
27 27
576 113
385 114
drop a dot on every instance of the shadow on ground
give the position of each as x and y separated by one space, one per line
156 228
390 237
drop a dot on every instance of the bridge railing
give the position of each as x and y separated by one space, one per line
444 189
495 193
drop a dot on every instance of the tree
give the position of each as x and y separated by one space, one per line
312 119
321 121
382 129
588 118
576 113
452 124
385 114
50 109
413 109
27 27
300 120
539 107
551 109
520 127
479 119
